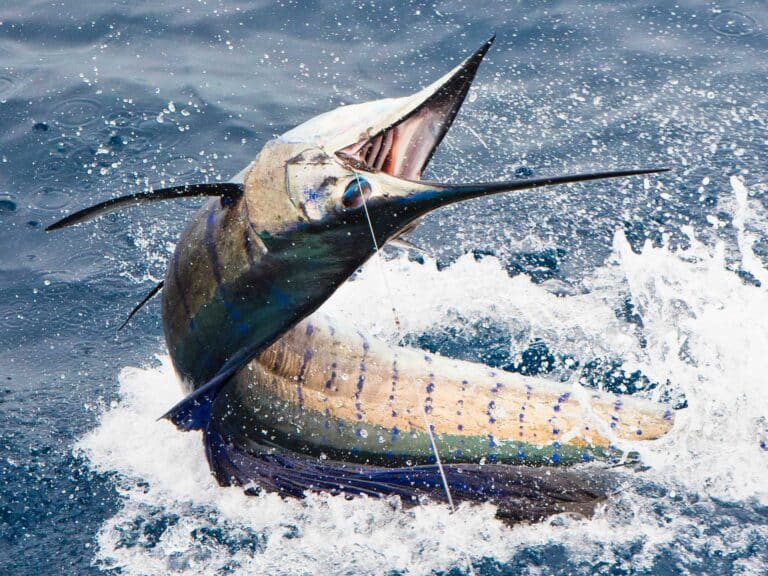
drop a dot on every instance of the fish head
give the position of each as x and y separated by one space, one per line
357 170
368 157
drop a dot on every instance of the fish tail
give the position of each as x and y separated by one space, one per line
520 493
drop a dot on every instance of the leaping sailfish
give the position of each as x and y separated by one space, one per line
291 399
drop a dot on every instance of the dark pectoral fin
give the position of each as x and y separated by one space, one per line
228 191
194 411
138 306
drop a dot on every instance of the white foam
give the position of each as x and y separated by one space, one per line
165 474
706 332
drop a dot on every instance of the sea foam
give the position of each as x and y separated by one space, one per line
705 335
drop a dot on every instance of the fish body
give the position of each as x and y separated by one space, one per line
328 390
293 400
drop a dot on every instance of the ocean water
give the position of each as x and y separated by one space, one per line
655 286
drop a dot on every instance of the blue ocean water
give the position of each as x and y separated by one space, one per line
104 98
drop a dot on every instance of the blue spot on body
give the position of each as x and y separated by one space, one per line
281 297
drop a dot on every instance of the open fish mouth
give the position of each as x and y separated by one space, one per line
404 148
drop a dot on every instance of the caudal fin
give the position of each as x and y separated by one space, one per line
521 493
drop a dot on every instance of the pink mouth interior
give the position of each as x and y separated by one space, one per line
403 150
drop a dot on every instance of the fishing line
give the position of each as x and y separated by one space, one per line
427 424
376 249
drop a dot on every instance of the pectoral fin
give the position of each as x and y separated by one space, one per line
228 191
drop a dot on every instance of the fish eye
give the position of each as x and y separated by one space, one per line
356 191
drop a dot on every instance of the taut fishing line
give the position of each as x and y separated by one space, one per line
427 424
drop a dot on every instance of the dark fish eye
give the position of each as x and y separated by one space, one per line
357 190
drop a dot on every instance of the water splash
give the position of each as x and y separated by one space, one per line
704 331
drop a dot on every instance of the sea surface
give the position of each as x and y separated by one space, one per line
654 286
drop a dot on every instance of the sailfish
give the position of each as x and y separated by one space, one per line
292 400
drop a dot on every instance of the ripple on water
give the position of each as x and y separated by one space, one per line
139 131
50 198
733 23
6 84
14 312
161 135
54 168
77 112
179 169
65 145
85 262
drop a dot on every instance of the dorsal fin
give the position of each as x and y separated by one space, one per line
138 306
229 192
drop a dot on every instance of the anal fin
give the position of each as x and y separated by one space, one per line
144 300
